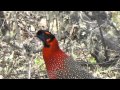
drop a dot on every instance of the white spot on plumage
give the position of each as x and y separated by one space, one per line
69 69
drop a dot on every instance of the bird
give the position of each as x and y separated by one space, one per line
59 65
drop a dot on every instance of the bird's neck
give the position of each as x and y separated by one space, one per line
49 51
53 54
54 46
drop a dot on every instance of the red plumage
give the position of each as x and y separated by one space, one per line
54 58
59 65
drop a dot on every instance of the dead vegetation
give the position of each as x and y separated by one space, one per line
90 37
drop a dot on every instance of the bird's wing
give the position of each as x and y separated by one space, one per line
73 71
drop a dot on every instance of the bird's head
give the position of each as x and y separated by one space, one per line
46 37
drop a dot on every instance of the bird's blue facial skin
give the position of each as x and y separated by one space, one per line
41 37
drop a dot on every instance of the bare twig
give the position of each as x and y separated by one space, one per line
29 70
104 44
